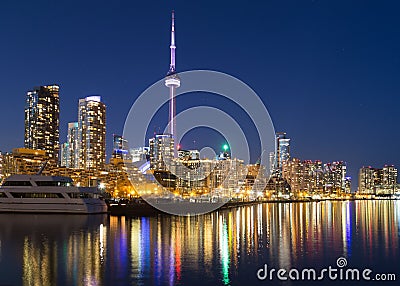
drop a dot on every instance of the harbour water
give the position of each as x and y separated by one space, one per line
221 248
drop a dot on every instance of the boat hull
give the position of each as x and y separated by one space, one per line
85 206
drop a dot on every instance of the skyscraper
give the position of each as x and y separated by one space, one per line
64 155
368 178
73 144
70 150
42 120
335 176
282 151
172 81
139 153
120 148
92 133
161 151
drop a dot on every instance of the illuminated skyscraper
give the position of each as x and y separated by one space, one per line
335 177
282 153
172 81
161 151
64 155
120 148
92 133
139 153
73 143
70 149
42 120
367 179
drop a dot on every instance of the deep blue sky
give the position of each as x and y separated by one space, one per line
328 71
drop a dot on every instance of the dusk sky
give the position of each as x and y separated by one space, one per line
328 71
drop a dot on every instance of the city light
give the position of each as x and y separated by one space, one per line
102 186
176 212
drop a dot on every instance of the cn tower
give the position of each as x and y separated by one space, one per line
172 81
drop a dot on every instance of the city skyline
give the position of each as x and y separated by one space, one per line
329 110
199 143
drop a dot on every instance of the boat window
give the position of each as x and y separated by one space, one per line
53 184
17 183
80 195
86 195
3 195
73 195
37 195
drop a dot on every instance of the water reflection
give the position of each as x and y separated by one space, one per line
50 250
221 248
228 247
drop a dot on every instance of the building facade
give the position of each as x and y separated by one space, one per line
308 178
42 120
281 155
73 145
139 153
64 155
1 167
26 161
375 181
121 148
69 155
161 151
92 133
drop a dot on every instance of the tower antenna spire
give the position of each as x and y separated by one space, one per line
172 81
172 46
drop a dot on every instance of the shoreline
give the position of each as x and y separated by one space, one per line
145 209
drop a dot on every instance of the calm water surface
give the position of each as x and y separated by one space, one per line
222 248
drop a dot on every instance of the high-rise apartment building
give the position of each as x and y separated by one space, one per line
374 181
389 176
92 133
315 177
64 155
139 154
69 155
73 144
282 153
42 120
161 151
368 177
335 175
121 148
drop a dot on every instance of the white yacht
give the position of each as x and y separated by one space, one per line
48 194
